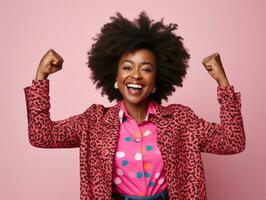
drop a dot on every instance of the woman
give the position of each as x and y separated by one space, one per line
138 149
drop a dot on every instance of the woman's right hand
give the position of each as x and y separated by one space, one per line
50 63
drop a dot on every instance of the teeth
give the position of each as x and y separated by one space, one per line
134 86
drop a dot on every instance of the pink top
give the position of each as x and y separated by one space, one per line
138 164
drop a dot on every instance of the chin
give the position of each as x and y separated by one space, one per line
136 101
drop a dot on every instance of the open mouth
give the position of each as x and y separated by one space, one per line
134 88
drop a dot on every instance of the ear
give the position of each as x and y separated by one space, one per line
153 90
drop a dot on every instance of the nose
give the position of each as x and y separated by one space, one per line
136 74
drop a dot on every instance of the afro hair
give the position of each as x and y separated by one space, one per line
121 36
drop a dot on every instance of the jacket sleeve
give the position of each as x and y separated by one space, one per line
42 131
228 137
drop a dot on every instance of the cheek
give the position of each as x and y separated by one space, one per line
121 77
151 80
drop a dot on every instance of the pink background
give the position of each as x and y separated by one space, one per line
235 29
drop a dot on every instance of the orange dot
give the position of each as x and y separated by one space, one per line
137 134
142 150
147 166
141 194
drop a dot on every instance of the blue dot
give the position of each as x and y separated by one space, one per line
127 139
149 147
139 174
124 162
151 184
147 174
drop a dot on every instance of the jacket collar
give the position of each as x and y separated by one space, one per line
123 113
112 114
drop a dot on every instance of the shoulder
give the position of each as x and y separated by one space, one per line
174 108
99 108
181 113
97 111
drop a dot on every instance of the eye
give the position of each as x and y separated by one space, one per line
146 69
127 68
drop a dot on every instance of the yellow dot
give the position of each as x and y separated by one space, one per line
147 166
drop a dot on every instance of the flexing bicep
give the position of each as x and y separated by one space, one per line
45 133
228 136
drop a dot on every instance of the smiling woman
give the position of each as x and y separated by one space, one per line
122 37
138 149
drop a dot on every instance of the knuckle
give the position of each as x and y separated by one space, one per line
50 51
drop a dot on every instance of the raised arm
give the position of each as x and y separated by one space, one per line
228 137
43 132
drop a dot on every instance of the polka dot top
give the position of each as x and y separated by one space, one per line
138 164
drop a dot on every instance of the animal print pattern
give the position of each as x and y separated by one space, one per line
182 136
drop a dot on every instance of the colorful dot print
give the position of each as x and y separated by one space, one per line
146 133
137 134
117 181
128 139
119 172
141 194
136 140
139 174
147 166
151 184
120 154
138 165
124 162
149 147
138 156
157 175
147 174
160 181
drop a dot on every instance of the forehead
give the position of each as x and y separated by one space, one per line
139 55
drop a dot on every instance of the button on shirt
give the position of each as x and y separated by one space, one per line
138 164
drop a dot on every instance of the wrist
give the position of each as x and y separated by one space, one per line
40 76
223 83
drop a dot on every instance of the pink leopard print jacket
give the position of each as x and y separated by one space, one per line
182 136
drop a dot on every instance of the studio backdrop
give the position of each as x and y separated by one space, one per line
235 29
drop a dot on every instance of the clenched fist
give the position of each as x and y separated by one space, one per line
215 68
50 63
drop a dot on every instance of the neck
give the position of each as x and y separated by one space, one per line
137 111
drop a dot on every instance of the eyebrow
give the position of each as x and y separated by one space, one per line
144 62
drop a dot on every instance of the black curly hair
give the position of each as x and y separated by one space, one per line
121 36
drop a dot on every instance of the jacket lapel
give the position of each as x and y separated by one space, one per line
163 119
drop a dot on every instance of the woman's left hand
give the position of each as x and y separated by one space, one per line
215 68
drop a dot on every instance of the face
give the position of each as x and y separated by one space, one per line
136 76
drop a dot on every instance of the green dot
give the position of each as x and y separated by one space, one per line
124 119
147 174
124 162
127 139
149 147
139 174
151 184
